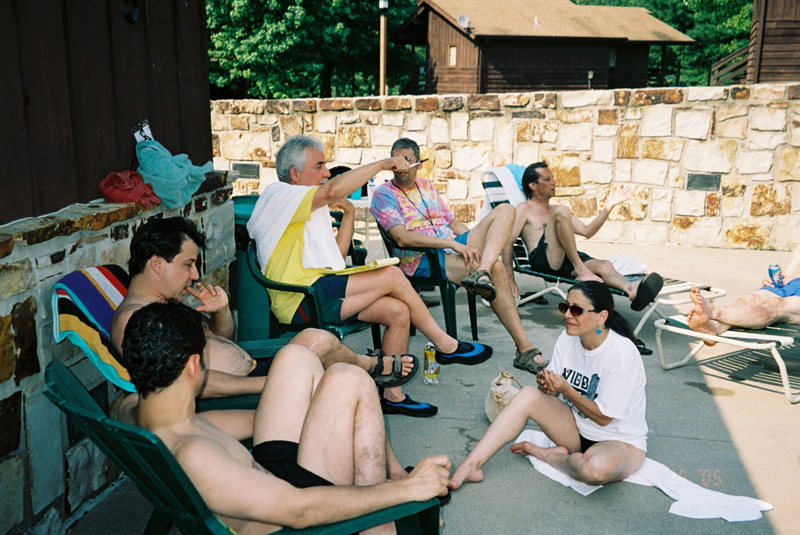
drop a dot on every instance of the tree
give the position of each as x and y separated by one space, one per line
298 48
718 27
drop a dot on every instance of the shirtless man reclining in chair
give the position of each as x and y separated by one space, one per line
756 310
549 234
321 454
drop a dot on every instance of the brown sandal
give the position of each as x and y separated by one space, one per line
480 283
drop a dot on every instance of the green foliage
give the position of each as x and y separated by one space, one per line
300 48
719 27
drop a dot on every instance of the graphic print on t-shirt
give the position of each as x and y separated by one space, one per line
586 386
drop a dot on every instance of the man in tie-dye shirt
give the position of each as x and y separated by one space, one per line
414 215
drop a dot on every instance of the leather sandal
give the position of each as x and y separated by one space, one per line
524 361
396 377
480 283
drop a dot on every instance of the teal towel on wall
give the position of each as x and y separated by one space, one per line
174 178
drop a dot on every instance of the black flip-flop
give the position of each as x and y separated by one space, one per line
396 378
643 349
647 291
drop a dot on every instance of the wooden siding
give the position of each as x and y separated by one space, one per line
78 77
443 78
774 42
631 69
525 66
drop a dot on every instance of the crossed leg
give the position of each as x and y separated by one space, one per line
331 351
503 304
385 296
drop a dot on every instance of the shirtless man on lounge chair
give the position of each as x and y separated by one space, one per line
321 454
756 310
163 265
549 234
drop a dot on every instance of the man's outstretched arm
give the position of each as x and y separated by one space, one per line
261 497
348 182
614 198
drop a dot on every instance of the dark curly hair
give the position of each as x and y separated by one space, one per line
159 339
164 238
600 297
531 176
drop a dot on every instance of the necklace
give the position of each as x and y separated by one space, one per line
427 213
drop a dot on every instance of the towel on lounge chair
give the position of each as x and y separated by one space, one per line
507 176
691 500
271 216
84 302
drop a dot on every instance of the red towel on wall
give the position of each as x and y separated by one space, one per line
128 186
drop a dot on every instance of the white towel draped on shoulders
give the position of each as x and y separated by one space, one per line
271 216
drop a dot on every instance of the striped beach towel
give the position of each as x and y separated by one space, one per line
84 302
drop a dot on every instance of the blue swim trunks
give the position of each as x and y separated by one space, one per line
424 268
790 289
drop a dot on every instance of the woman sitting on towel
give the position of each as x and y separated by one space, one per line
590 399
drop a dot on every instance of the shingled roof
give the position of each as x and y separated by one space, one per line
557 19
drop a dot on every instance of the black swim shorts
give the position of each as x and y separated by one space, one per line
280 458
538 261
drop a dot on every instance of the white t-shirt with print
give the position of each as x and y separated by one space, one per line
612 376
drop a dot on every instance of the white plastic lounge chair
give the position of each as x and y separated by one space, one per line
773 339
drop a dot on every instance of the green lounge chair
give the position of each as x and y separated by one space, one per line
161 480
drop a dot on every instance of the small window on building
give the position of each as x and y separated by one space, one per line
453 55
612 57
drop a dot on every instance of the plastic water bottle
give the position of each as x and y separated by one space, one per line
430 368
371 187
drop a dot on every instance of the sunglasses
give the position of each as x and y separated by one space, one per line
575 310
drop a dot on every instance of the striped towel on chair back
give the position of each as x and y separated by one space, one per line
84 302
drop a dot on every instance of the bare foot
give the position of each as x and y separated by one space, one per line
708 307
543 454
388 364
582 273
467 471
699 321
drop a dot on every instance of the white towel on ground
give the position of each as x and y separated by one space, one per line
692 501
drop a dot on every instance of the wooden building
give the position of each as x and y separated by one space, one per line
774 42
78 76
480 46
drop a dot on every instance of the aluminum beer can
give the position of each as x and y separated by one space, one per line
430 368
775 275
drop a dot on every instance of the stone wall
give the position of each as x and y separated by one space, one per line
46 473
658 141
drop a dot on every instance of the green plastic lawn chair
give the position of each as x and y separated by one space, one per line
316 318
161 480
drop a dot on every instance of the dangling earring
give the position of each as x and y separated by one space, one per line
599 331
